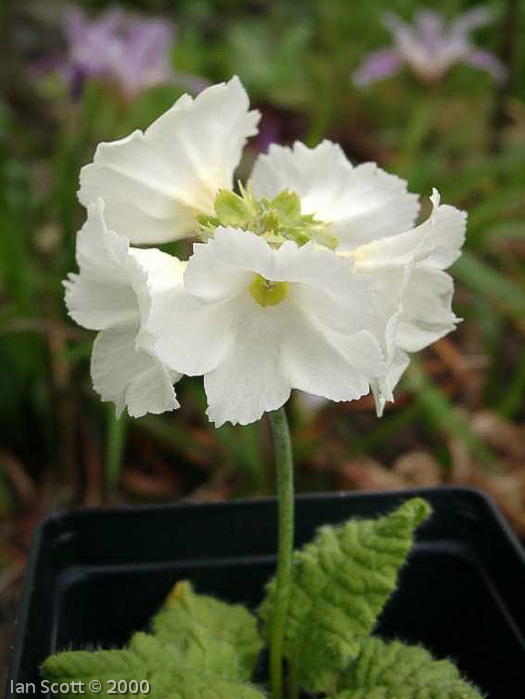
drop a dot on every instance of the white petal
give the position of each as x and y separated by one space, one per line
382 389
394 252
435 243
101 295
446 227
327 351
153 272
224 267
426 294
131 377
250 379
327 364
112 294
193 335
278 348
317 339
427 313
389 288
195 324
154 183
221 268
362 203
326 288
412 296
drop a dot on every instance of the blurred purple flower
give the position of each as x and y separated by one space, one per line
130 50
269 131
430 47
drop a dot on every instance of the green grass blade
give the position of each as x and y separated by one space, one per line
489 283
442 415
512 401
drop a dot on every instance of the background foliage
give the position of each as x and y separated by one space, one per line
459 413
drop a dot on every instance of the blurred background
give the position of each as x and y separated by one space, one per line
440 100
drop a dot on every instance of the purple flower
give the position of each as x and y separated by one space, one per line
269 131
124 48
430 47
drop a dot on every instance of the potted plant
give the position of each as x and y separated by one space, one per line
312 277
96 577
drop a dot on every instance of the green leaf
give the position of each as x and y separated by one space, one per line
397 671
187 616
194 635
155 655
147 659
340 584
187 685
101 665
200 651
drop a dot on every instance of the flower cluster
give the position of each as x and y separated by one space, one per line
131 51
430 47
312 277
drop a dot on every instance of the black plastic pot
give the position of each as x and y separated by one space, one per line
96 576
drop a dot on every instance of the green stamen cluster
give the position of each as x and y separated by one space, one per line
277 220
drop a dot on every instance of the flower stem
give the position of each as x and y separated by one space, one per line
285 499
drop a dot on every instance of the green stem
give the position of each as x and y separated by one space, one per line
293 683
115 444
285 499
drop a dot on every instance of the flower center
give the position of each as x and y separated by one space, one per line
268 293
277 220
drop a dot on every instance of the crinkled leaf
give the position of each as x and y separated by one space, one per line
397 671
199 651
150 661
187 685
101 665
188 618
340 584
195 634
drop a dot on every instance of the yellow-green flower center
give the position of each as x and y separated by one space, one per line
277 220
268 293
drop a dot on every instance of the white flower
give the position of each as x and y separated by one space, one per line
412 295
112 294
372 216
270 303
259 321
155 183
